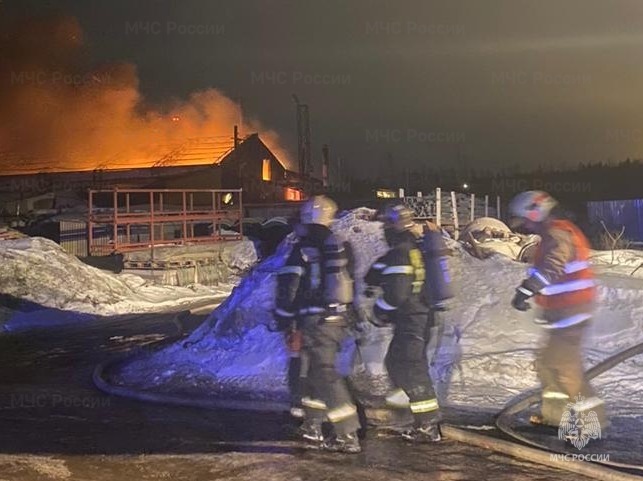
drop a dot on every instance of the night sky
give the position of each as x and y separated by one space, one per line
482 84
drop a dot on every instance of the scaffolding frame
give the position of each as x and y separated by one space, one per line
122 217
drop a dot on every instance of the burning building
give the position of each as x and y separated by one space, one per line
67 125
249 164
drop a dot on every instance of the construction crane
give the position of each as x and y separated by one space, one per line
303 137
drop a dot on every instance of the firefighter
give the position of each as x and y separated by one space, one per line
315 286
563 287
401 275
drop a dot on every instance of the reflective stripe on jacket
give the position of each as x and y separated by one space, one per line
315 275
400 273
562 264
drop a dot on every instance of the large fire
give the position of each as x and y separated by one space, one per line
58 114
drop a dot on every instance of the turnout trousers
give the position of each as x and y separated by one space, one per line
326 394
560 371
408 368
296 375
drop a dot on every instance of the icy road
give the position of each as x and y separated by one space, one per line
55 426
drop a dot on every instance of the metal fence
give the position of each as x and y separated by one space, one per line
453 208
617 214
74 237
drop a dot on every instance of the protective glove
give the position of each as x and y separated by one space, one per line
529 287
520 301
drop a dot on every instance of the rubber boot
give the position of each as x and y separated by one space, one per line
311 431
343 443
426 434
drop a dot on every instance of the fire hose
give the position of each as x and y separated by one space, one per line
530 398
526 449
541 454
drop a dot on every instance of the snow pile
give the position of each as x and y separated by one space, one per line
620 262
487 236
486 355
234 349
489 224
240 257
236 256
40 271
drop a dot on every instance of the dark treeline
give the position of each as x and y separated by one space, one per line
599 181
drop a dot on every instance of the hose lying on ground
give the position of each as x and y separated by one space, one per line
542 455
178 400
161 398
525 400
535 455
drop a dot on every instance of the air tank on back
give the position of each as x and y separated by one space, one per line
438 286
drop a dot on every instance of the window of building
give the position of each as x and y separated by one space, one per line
266 172
293 194
386 194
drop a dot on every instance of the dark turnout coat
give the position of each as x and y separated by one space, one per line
401 275
316 275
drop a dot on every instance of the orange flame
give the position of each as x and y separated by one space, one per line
56 116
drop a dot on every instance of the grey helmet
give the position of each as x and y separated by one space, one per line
398 217
319 209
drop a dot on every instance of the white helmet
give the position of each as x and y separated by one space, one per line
534 205
318 209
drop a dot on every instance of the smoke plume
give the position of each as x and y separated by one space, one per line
58 112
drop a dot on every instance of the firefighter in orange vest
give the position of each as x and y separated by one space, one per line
563 287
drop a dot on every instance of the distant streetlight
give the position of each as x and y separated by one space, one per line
465 186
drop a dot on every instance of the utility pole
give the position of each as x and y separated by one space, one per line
326 180
303 137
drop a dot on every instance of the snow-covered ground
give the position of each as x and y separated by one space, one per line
486 355
498 343
619 262
40 271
